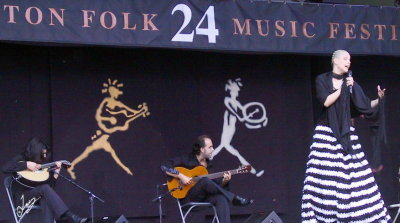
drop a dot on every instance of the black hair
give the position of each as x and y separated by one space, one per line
199 143
34 150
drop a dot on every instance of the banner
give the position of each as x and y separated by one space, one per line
245 26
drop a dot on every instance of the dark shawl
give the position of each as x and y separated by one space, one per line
339 114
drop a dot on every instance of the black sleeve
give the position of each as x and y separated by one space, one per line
18 163
322 88
360 100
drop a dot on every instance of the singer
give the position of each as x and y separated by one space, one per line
52 206
339 185
205 190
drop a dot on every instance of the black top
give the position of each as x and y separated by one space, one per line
19 163
338 115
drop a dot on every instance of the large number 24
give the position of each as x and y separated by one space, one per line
211 32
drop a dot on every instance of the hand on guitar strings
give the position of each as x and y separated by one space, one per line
185 179
32 166
57 167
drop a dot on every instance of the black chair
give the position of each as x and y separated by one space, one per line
19 212
186 208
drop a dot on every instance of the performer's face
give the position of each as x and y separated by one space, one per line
44 155
342 62
208 149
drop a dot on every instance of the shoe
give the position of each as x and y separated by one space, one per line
75 218
240 201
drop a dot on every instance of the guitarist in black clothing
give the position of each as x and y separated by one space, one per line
52 206
205 190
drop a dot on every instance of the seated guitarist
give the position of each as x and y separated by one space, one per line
52 206
205 190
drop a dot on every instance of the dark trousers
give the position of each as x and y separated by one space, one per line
209 191
51 204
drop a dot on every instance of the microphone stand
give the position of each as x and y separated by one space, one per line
161 196
91 195
398 211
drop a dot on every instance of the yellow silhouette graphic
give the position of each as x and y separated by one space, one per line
111 116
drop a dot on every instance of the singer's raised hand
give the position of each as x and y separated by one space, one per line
349 81
381 92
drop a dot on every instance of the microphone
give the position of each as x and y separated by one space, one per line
350 74
161 185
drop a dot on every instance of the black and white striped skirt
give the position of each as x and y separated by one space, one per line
340 187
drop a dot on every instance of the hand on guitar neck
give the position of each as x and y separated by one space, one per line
226 178
32 166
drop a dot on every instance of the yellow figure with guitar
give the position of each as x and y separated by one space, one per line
108 116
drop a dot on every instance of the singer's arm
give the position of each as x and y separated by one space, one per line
323 86
374 103
332 97
381 94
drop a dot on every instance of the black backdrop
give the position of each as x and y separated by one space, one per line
54 92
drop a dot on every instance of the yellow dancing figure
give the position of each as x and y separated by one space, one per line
111 116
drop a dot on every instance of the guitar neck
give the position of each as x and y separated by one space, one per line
47 165
219 174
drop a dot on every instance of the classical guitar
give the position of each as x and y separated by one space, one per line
196 174
34 178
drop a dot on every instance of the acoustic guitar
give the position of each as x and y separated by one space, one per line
34 178
196 174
